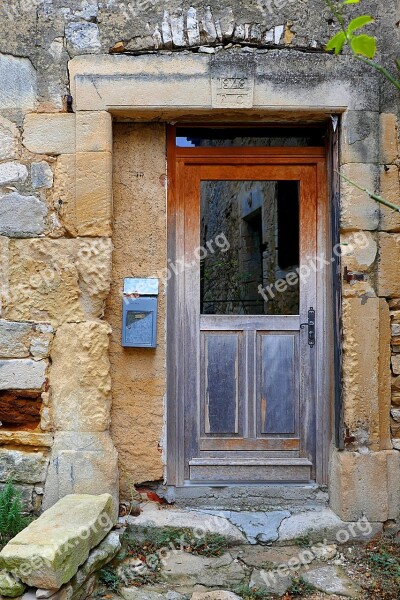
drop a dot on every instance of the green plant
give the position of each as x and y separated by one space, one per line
362 45
135 497
300 587
110 579
303 541
251 594
153 539
383 558
378 567
12 519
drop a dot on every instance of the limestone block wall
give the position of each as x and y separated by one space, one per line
139 238
365 477
56 253
61 364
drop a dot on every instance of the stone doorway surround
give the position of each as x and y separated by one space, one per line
278 86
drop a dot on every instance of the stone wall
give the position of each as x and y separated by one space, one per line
139 238
58 226
55 396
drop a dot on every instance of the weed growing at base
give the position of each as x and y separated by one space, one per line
12 519
149 550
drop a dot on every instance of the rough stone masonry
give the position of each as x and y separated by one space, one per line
60 364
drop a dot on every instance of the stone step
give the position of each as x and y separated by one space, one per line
255 527
169 517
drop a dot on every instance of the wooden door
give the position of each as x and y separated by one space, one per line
241 353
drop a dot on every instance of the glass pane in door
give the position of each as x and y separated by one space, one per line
249 247
235 137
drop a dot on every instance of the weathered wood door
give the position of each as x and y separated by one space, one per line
242 292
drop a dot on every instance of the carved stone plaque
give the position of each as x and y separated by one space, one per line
232 82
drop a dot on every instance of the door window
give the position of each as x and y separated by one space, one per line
250 239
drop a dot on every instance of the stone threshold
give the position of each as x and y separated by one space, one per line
278 527
238 497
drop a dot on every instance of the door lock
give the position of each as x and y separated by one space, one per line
311 327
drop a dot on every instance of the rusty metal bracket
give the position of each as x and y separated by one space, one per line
350 276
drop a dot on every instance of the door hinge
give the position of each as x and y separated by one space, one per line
311 327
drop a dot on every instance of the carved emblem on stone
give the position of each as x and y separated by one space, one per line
232 82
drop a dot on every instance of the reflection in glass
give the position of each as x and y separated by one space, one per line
259 223
194 137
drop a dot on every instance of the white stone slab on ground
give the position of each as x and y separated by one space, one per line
50 550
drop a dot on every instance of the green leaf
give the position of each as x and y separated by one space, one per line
359 22
364 45
351 2
337 42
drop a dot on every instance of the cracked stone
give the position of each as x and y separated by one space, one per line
98 557
178 31
266 558
19 340
8 139
166 30
22 216
18 84
332 580
10 586
41 175
83 37
187 569
139 594
23 467
258 527
22 374
215 595
317 524
227 23
63 537
12 172
207 28
270 582
193 31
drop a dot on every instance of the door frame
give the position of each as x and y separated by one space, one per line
316 156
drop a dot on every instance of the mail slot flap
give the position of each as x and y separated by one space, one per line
141 287
139 322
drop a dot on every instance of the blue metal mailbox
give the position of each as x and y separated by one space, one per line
139 315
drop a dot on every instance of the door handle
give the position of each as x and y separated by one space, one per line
311 327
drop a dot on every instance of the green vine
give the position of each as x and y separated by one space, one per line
362 45
364 48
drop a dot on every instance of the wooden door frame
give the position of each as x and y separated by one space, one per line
175 308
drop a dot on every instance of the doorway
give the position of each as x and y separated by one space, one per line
245 344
